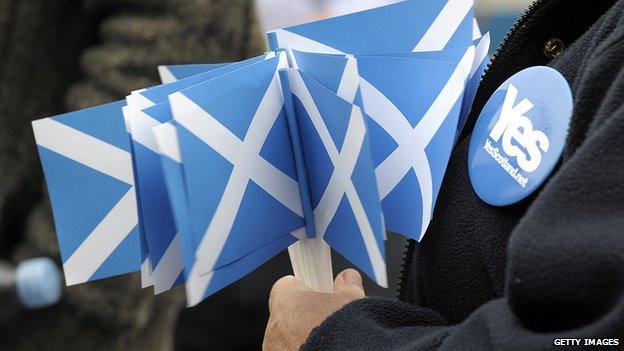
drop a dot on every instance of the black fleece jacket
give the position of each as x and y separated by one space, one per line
552 266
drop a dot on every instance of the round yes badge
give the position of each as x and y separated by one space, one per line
519 135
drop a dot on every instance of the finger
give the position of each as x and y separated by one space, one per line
283 287
349 282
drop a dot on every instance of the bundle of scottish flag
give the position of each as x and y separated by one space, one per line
338 134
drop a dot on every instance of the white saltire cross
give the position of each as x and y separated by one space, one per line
444 26
412 142
244 155
107 159
340 182
435 38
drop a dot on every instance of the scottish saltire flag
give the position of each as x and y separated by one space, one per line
410 161
449 30
341 132
442 30
233 131
88 168
412 138
341 173
171 161
147 108
325 91
240 121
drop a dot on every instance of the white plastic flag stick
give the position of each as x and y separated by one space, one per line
311 263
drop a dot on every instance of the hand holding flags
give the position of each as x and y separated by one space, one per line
341 132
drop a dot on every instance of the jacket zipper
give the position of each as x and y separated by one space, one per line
408 251
524 17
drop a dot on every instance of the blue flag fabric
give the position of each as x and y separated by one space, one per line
137 102
172 73
388 84
202 285
380 38
156 98
412 138
87 164
328 138
154 95
347 212
166 138
233 130
408 26
156 217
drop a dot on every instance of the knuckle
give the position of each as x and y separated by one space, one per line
282 283
279 286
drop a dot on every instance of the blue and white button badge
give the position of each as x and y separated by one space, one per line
520 135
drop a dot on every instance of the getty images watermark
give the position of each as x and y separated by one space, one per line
585 342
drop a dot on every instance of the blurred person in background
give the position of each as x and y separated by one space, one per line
64 55
275 14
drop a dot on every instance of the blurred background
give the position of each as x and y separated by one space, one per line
63 55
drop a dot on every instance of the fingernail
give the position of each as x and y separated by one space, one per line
351 276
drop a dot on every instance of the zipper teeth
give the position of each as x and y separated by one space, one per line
406 260
408 250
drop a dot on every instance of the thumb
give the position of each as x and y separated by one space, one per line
349 282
